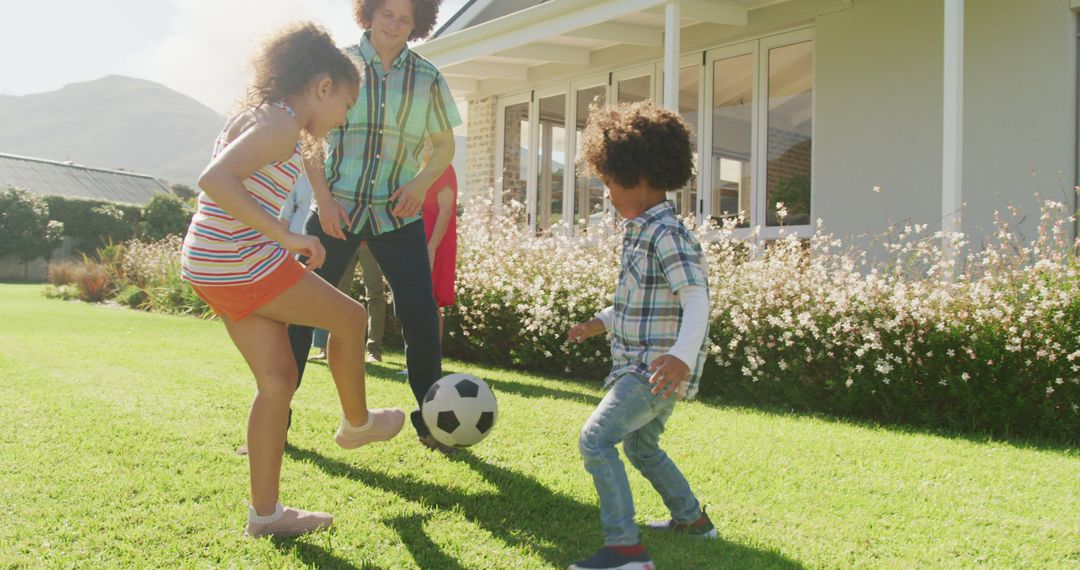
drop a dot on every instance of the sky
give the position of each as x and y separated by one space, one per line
197 47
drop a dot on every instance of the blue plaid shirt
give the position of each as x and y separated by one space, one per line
379 148
659 257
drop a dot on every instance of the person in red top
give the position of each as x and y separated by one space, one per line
440 225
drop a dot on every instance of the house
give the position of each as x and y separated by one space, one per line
51 178
861 113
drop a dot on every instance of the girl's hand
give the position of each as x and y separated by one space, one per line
668 372
332 217
410 198
306 246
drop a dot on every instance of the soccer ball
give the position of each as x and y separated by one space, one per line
460 410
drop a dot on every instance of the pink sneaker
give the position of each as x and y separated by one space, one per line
286 522
382 424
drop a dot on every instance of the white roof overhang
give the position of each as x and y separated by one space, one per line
566 32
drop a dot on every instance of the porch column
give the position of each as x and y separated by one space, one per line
952 159
671 56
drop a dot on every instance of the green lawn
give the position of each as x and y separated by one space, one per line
118 429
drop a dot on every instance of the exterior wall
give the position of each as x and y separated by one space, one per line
878 105
480 150
1020 108
878 112
877 116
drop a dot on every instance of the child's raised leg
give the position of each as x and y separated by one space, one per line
314 302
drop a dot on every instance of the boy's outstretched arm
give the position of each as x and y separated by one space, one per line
588 329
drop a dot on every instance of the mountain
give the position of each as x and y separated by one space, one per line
115 123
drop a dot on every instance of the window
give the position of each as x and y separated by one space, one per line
686 199
589 203
790 133
761 133
750 106
551 162
513 160
732 137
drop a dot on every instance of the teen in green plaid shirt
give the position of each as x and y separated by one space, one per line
374 185
658 325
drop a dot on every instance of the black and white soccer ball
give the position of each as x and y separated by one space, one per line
460 410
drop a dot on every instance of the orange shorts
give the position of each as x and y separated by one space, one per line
239 301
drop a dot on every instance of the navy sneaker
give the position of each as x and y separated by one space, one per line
701 528
607 558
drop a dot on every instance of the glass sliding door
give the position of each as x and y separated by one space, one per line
551 162
514 154
589 198
690 109
732 130
789 134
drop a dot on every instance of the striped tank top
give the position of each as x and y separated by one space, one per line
221 250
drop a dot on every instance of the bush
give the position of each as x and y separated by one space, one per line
93 282
94 222
62 273
25 228
131 296
154 267
986 343
165 215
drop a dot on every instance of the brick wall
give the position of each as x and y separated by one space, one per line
480 149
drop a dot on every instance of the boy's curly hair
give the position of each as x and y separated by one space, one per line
634 141
291 58
425 12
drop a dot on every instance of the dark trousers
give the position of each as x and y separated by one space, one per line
402 256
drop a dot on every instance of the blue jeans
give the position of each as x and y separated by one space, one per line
402 256
631 414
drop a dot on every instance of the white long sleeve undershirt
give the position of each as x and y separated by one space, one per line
695 323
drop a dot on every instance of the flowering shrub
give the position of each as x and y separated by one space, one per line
93 282
985 341
930 333
154 267
517 296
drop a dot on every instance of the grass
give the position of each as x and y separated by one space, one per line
119 429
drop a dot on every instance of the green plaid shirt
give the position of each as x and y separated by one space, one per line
659 257
378 150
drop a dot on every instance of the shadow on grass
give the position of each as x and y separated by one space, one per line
391 372
524 513
1019 442
316 556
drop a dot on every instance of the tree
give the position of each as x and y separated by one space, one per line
25 229
165 215
184 192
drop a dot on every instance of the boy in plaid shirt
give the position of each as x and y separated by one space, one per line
658 325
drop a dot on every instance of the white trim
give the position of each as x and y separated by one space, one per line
952 156
671 56
548 53
533 24
621 33
465 17
462 85
627 73
704 11
487 69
